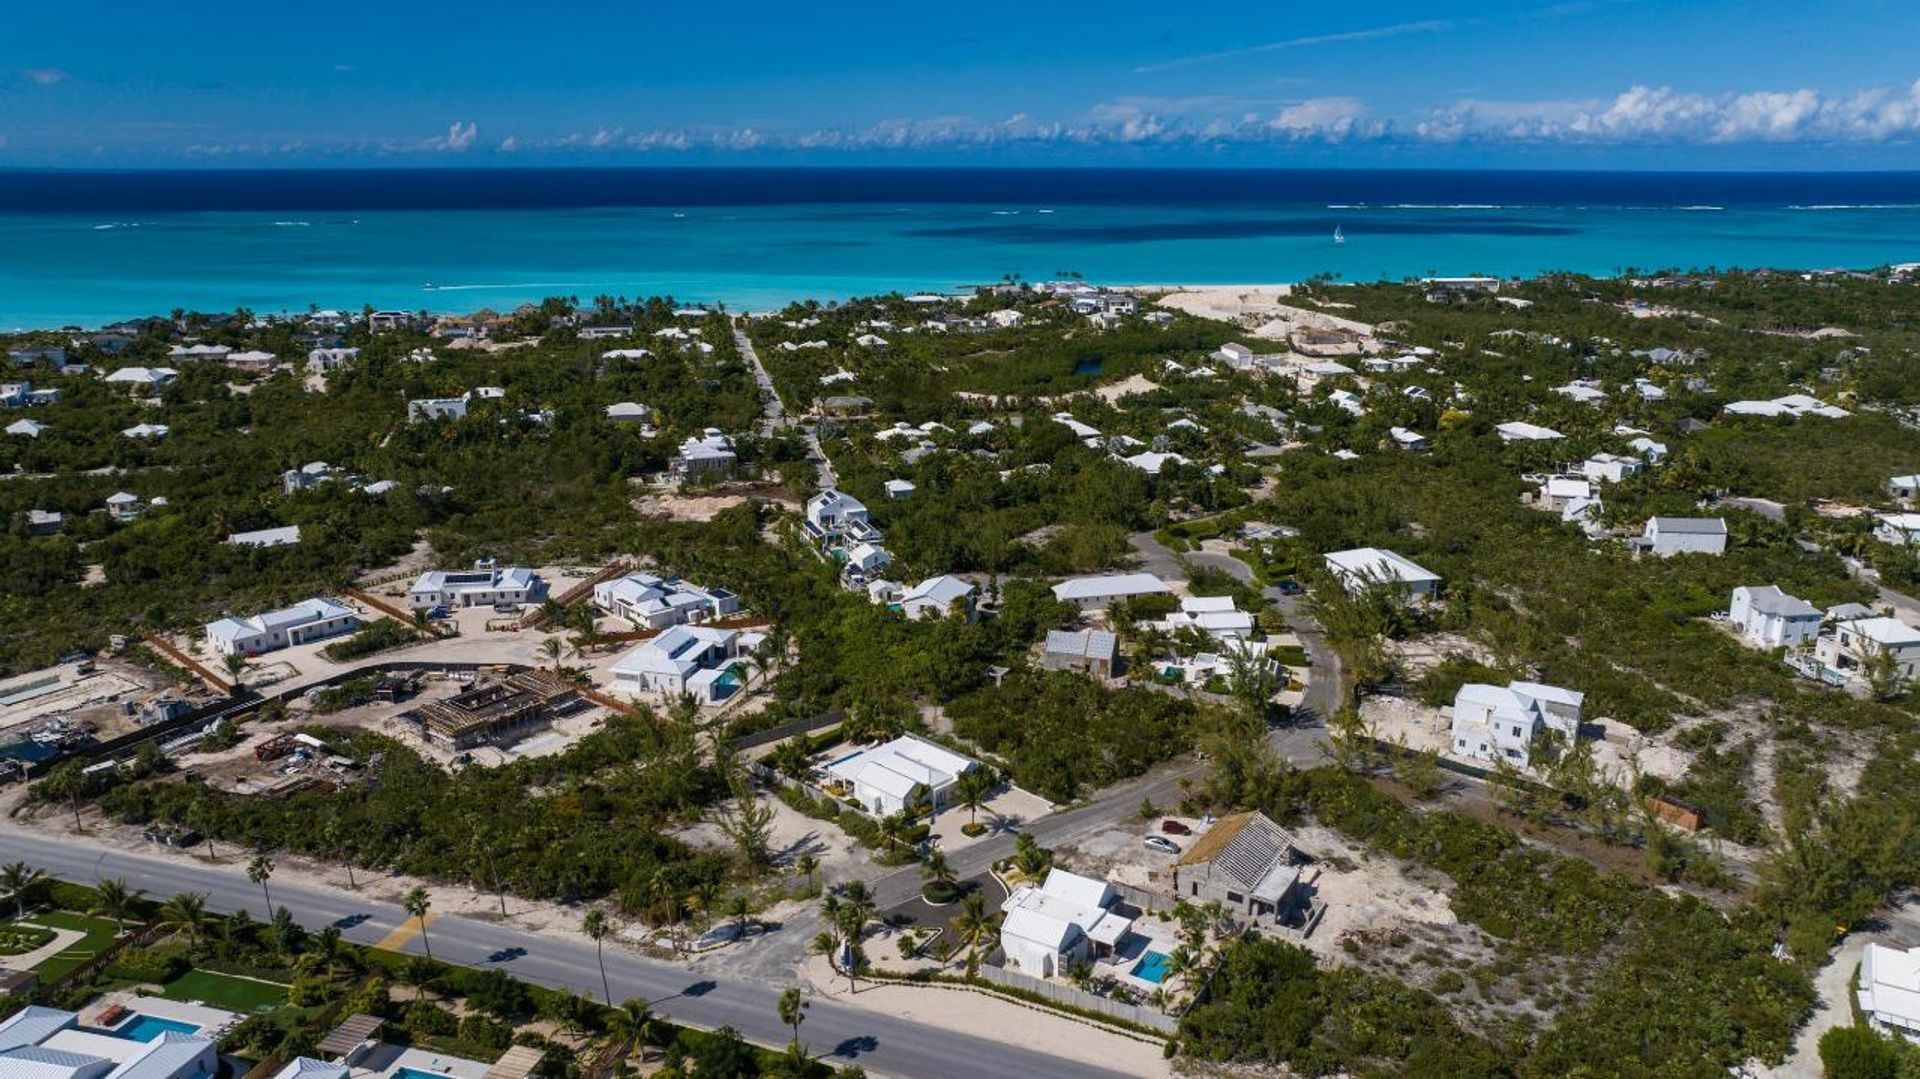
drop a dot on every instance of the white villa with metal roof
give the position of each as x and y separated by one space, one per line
835 515
1668 536
1897 528
150 378
48 1043
707 456
696 660
1522 431
1069 919
935 597
1771 618
284 536
1502 722
651 602
1849 652
901 774
1096 593
1365 567
309 620
1216 616
436 408
478 587
1889 989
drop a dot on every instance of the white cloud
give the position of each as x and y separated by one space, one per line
458 138
44 76
1333 118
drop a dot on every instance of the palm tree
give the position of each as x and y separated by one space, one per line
258 871
595 926
630 1022
553 649
236 664
809 865
186 913
793 1012
828 944
18 879
738 908
857 907
336 845
418 973
114 899
972 925
937 873
706 895
417 904
972 790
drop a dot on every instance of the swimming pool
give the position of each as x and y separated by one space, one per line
851 756
1152 967
146 1028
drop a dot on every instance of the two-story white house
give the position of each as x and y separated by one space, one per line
1897 529
834 515
1502 722
694 660
1065 921
1771 618
1851 651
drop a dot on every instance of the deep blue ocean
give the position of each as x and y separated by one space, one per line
90 247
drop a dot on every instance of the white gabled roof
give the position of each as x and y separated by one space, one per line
1883 631
1109 585
1522 431
940 591
1377 563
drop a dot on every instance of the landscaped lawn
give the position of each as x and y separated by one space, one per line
19 939
225 991
99 933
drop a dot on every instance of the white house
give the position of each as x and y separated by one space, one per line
651 602
1771 618
436 408
48 1043
1096 593
1364 567
284 536
935 597
477 587
867 558
1558 492
308 620
898 490
1151 463
1889 989
1411 441
309 1068
1585 393
23 395
1216 616
695 660
124 505
904 773
143 378
254 361
1611 467
199 352
1522 431
148 431
328 359
1068 920
26 428
311 474
707 456
1501 722
1793 404
1649 449
1896 528
1668 536
629 412
1847 652
833 514
1904 488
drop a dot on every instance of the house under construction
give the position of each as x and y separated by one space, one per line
497 711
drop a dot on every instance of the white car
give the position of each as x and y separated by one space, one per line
1162 844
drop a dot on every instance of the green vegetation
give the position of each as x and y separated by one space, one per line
373 637
99 933
226 991
20 939
1065 736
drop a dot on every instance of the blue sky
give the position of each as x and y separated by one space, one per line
1588 83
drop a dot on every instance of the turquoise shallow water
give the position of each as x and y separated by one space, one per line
73 264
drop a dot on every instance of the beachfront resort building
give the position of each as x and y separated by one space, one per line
1502 722
1066 921
481 586
1366 567
699 661
1771 618
1246 863
49 1043
907 774
309 620
1888 991
651 602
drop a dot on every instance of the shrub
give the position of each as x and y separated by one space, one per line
307 992
487 1033
424 1018
1858 1053
155 965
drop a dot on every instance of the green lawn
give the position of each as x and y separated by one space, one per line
20 939
99 933
225 991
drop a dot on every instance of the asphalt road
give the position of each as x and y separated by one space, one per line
775 411
882 1044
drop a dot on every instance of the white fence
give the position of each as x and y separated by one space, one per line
1084 1001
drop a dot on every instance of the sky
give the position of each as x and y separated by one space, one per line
1645 84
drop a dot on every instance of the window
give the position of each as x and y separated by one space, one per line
1196 888
1236 897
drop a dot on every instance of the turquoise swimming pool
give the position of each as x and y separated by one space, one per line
1152 967
848 757
146 1028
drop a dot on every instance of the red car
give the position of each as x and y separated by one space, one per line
1174 827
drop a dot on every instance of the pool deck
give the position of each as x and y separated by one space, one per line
212 1022
387 1061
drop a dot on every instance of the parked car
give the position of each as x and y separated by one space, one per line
439 612
1174 827
1162 844
1290 587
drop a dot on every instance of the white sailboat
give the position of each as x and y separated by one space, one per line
1337 238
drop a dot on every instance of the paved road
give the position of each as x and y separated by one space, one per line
774 411
880 1043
